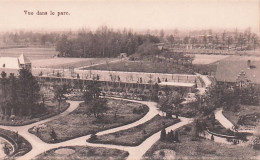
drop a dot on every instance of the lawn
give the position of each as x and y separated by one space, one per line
81 124
244 110
136 135
143 66
188 110
51 109
66 63
202 149
207 59
209 69
82 152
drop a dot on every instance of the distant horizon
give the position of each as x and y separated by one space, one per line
139 30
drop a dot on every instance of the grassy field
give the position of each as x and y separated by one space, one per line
143 66
136 135
244 110
207 59
203 149
82 152
201 63
51 109
30 52
60 63
81 124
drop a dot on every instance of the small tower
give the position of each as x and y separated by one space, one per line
24 62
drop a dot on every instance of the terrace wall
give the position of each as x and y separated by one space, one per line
135 77
117 76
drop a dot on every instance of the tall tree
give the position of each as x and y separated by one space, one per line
59 92
98 107
4 88
13 98
170 38
91 92
28 91
229 41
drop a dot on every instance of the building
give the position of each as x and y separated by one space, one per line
14 64
240 71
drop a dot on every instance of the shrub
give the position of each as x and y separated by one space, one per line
139 110
144 131
187 128
256 143
93 137
162 153
163 135
53 135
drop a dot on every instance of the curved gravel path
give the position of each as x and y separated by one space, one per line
38 146
222 119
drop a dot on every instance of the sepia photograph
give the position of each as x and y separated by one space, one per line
130 80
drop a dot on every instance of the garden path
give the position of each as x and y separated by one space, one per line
206 81
38 146
222 119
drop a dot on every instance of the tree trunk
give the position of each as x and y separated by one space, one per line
59 105
115 117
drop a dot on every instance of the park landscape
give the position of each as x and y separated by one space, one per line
100 125
132 94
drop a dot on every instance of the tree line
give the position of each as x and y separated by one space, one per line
104 42
19 95
29 38
246 40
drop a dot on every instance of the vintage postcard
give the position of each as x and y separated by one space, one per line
129 79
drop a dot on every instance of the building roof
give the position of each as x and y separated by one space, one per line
13 62
23 60
229 69
9 62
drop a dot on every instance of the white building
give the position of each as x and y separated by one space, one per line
14 64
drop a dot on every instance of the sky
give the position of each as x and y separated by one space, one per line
131 14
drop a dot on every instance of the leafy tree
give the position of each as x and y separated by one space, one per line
161 34
154 93
166 106
176 100
116 107
59 92
12 96
4 94
170 38
229 41
199 128
147 50
170 136
53 135
98 107
28 91
92 91
163 134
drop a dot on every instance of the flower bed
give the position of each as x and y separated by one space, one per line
21 145
136 135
